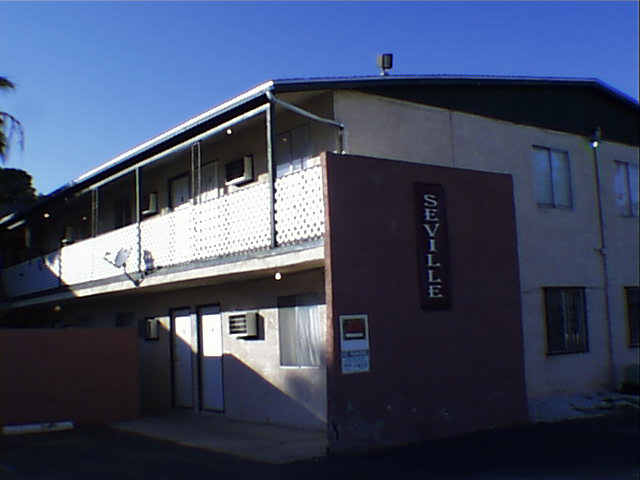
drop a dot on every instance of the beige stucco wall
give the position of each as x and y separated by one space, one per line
556 246
256 387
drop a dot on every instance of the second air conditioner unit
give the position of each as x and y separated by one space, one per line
243 324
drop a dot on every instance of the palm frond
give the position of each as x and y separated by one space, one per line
6 83
10 127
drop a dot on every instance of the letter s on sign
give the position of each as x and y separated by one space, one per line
430 200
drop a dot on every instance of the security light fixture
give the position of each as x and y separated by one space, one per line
277 276
385 62
46 215
596 137
229 131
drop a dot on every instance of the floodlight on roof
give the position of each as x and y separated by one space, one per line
385 62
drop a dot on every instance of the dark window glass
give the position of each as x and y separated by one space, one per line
566 320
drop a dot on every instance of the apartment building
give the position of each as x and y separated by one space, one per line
388 258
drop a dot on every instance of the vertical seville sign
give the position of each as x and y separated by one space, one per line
433 246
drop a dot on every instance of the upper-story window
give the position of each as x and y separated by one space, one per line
625 187
293 150
552 178
179 191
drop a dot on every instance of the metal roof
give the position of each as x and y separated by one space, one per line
318 83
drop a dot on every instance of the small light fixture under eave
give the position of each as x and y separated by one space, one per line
596 137
278 276
46 215
57 308
229 131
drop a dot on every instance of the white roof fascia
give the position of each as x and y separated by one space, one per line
176 130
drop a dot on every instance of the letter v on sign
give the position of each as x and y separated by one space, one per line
432 228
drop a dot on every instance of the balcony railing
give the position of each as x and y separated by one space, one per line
228 225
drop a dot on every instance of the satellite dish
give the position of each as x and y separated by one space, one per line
121 257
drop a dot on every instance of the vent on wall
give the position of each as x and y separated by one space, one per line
243 325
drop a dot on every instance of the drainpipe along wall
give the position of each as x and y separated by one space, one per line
602 250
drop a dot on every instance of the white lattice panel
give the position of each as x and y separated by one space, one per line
234 223
157 239
299 206
94 258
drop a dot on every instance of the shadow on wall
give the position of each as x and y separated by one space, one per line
300 401
294 396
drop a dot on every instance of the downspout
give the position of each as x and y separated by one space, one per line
272 99
602 250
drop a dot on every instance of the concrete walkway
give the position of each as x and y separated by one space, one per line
569 407
253 441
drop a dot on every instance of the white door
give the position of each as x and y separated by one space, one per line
211 358
182 359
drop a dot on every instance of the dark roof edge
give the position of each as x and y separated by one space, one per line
317 83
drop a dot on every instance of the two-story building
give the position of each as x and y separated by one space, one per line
387 258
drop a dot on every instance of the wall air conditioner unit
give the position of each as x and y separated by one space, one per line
239 171
152 204
243 325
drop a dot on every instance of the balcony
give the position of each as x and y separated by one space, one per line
237 223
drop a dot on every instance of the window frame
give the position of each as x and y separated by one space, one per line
174 180
293 302
633 340
553 203
568 348
629 210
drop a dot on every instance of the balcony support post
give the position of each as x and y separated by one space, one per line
271 144
138 219
95 206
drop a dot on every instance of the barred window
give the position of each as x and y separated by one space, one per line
566 320
633 315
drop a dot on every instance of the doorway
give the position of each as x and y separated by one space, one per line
182 358
210 358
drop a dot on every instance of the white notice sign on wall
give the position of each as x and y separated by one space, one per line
355 361
354 343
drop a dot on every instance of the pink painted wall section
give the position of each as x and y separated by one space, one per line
433 372
83 375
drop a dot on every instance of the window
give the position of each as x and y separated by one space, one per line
179 191
552 178
301 330
632 295
566 320
122 212
209 181
293 150
625 187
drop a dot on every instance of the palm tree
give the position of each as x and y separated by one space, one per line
10 126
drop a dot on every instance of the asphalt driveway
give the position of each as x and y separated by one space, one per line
594 448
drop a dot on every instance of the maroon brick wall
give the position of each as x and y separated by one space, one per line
84 375
433 373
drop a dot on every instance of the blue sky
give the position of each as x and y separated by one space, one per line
95 79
